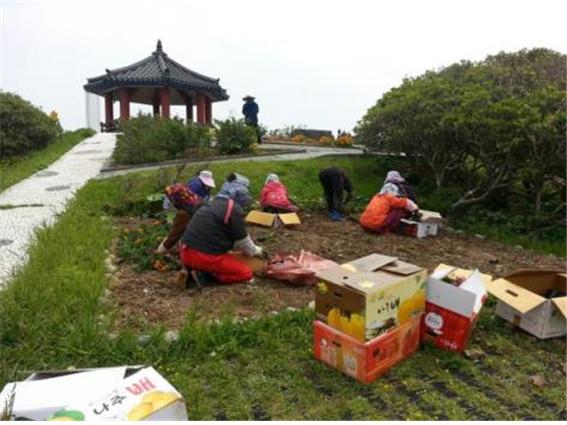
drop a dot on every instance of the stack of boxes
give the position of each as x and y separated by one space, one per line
368 315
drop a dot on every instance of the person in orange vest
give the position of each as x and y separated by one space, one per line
385 210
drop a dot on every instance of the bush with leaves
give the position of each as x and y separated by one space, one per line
485 128
234 136
146 138
24 127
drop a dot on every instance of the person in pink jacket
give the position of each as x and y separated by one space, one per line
274 196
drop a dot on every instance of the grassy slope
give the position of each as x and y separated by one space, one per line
11 172
262 368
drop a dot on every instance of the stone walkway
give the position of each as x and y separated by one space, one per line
37 200
306 153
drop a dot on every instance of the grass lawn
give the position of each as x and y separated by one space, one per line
14 170
55 314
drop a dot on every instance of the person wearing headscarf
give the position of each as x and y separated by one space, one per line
335 181
184 199
274 197
217 228
386 209
396 184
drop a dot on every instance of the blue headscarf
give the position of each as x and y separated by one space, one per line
237 190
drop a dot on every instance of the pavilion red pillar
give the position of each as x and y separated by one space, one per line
208 111
124 104
201 116
108 108
164 100
189 109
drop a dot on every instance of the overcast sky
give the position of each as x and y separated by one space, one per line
320 64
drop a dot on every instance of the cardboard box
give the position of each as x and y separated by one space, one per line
451 311
272 220
365 361
369 296
533 300
134 393
427 226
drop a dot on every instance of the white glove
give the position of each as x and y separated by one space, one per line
258 251
411 206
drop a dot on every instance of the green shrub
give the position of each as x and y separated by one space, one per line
152 139
234 136
24 127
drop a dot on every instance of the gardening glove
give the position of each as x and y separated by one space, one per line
161 249
258 251
246 245
411 206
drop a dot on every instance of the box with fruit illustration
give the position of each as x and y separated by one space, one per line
145 395
365 361
454 299
369 296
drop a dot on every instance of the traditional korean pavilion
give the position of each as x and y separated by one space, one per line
159 81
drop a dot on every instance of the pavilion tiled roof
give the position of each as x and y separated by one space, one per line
158 69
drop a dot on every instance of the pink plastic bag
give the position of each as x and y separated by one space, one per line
297 270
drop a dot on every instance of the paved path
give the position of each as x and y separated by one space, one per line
307 152
49 190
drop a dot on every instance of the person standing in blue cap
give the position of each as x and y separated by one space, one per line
250 111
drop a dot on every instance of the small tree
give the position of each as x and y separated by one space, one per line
480 126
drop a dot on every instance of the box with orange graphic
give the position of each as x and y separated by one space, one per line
365 362
369 296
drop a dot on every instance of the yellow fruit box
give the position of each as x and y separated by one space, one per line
144 395
370 296
272 220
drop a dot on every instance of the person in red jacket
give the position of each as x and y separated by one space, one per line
385 210
274 197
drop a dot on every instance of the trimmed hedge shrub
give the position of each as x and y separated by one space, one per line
152 139
24 127
234 136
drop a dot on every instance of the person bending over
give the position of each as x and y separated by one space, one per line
335 182
274 197
217 228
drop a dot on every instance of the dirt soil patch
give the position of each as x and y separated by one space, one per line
154 297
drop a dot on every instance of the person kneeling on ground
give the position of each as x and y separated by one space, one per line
217 228
334 180
396 184
386 209
185 199
274 197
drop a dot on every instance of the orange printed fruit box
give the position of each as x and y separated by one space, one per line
454 299
369 296
365 362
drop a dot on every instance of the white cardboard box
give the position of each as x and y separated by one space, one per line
136 393
451 311
522 301
427 226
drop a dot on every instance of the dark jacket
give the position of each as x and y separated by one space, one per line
336 178
207 231
334 181
250 111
